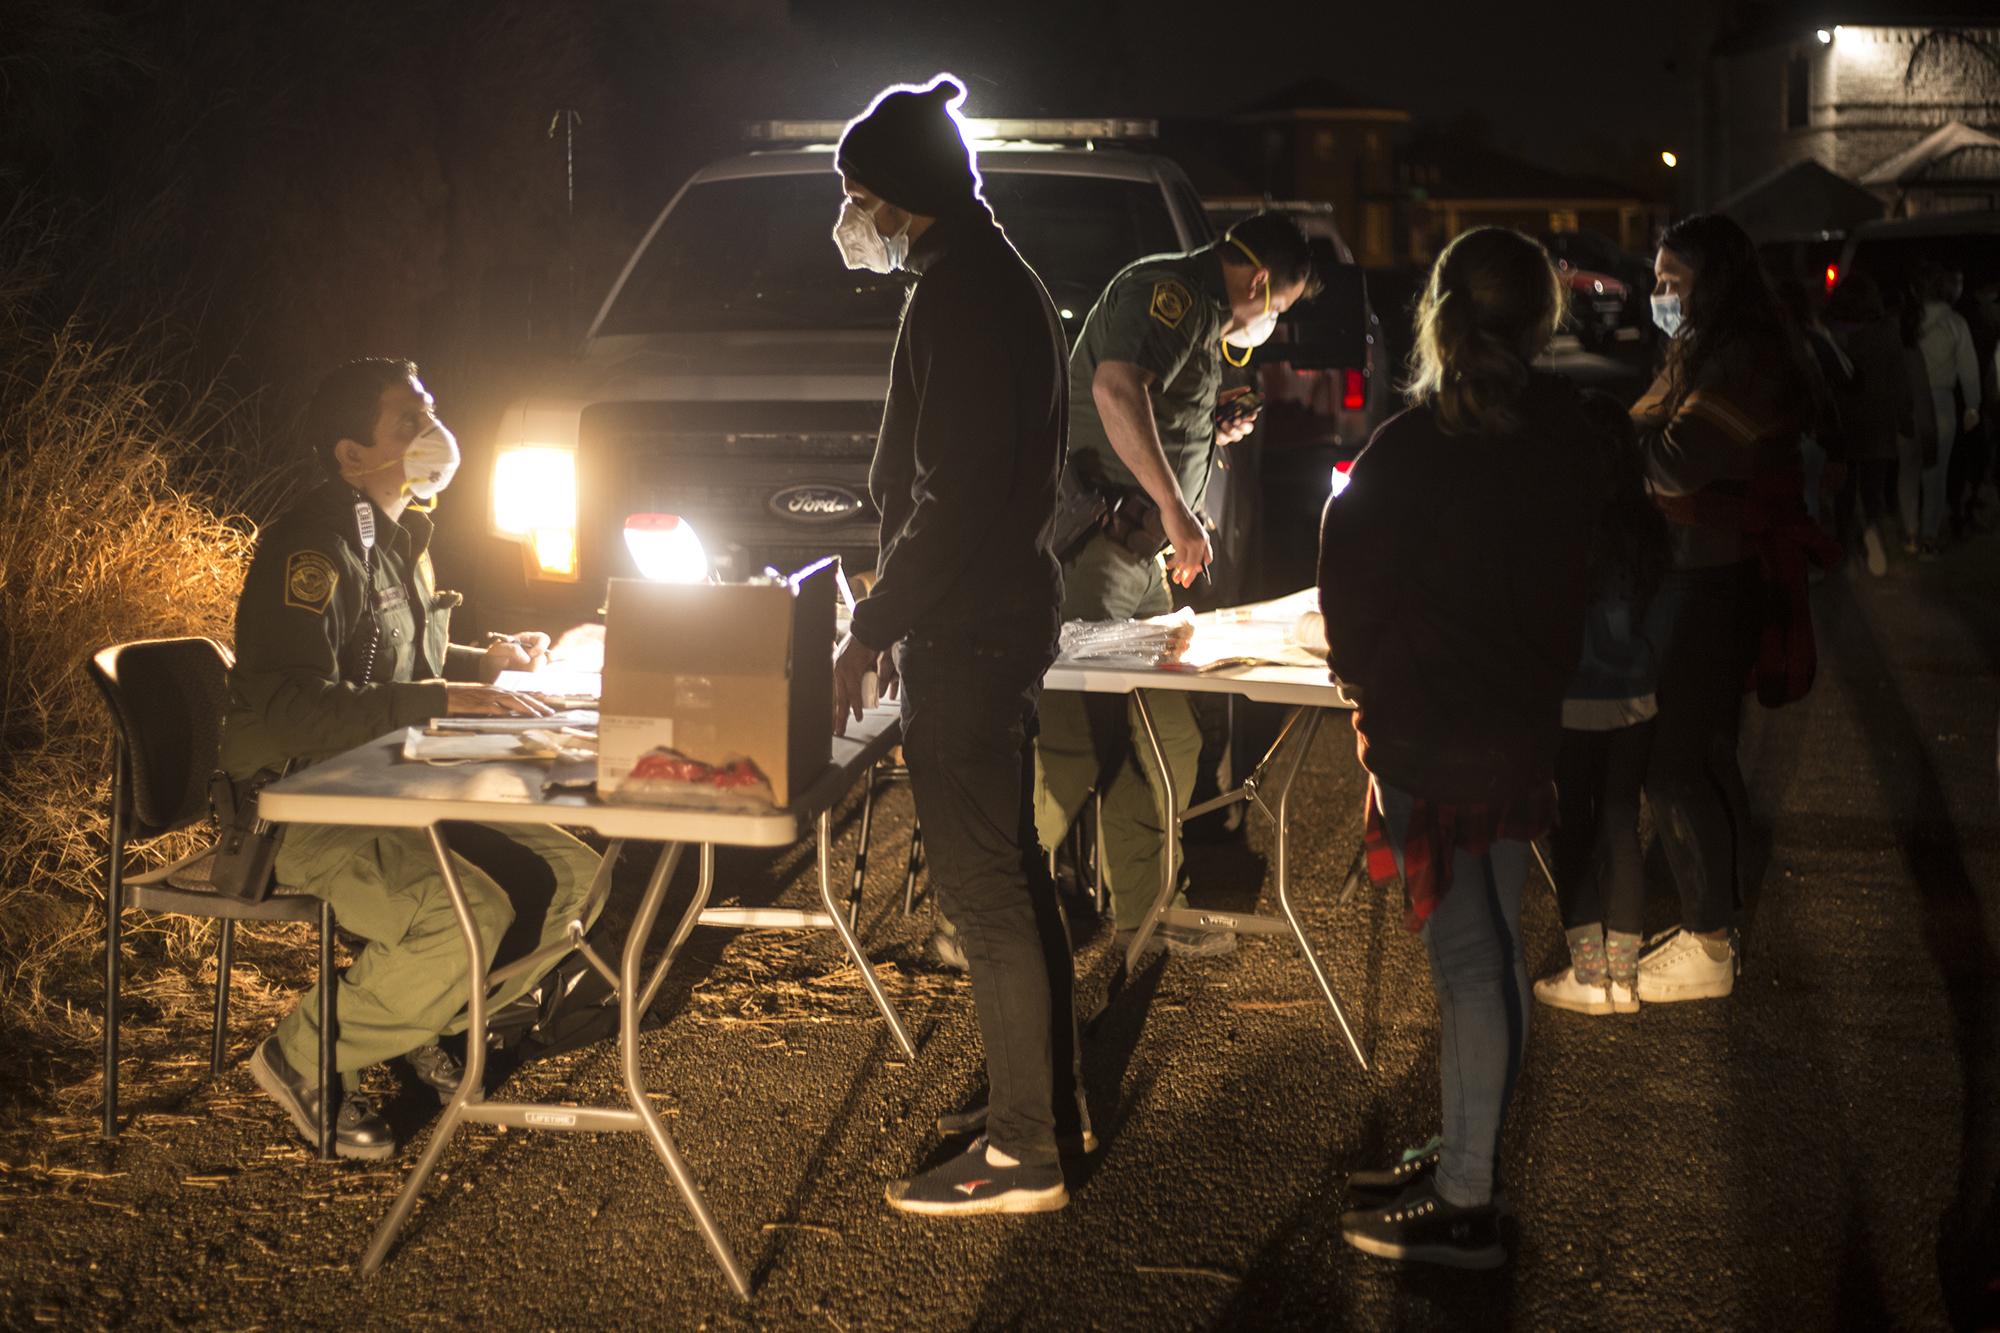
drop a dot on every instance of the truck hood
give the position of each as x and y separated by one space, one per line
820 367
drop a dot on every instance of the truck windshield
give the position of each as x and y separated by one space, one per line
756 254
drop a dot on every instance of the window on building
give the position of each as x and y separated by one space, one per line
1798 92
1562 220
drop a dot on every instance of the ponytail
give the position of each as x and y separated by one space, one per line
1492 303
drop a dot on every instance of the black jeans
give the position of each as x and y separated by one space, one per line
969 721
1600 879
1701 810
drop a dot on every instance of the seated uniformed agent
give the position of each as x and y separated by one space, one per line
342 635
1144 377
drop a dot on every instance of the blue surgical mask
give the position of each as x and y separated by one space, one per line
1667 314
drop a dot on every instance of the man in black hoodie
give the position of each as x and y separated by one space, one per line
964 477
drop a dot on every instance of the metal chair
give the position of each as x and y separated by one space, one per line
166 698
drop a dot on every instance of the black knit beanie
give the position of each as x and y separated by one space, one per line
906 148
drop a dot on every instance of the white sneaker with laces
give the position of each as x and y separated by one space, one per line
1871 545
1677 967
1564 991
1623 999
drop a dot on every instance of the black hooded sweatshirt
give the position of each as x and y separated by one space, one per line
972 440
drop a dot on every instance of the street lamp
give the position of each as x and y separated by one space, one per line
1825 37
1669 159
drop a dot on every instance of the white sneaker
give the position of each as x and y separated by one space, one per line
1623 1000
1677 967
1878 559
1564 991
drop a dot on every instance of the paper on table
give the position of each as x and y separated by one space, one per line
555 683
473 747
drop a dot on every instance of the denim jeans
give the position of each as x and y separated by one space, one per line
969 720
1694 783
1481 980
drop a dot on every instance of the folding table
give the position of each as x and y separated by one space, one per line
1310 692
371 786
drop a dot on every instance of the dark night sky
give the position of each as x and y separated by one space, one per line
1576 83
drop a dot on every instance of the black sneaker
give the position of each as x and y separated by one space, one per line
1072 1137
1419 1163
1418 1226
437 1068
357 1131
968 1185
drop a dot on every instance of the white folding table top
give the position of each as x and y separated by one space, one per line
1311 687
374 786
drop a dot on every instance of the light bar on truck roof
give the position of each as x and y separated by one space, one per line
978 128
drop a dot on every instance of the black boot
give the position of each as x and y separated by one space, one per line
357 1131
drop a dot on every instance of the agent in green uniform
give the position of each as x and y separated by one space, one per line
342 635
1144 377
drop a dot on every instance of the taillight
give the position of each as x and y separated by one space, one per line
1353 390
1832 277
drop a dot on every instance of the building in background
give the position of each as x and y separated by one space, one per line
1313 141
1908 107
1452 181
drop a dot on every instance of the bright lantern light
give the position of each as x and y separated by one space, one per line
1669 158
666 549
534 487
1824 36
554 550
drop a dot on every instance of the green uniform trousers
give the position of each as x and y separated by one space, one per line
1098 741
409 984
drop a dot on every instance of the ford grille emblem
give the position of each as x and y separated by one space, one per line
816 504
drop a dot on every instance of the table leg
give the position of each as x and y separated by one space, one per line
470 1086
853 945
1281 817
629 1015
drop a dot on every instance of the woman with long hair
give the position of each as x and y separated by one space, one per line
1452 579
1719 426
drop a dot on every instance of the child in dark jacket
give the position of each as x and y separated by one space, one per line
1607 735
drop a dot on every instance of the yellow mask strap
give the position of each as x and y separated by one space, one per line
1248 352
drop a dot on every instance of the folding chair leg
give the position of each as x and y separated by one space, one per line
329 1090
916 863
225 956
114 907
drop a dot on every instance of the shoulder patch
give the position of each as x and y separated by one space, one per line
309 580
1171 302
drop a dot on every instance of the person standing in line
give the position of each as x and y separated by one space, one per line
1452 577
1972 485
1719 430
1875 409
1946 344
963 616
1607 737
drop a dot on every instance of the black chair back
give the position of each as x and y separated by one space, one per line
166 698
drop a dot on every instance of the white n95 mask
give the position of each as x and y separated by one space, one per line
862 244
1667 314
1256 334
430 462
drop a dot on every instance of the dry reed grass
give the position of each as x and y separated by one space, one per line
111 469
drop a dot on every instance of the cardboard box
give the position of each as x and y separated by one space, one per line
718 673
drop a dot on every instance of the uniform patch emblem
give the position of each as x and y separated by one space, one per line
1170 303
309 580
